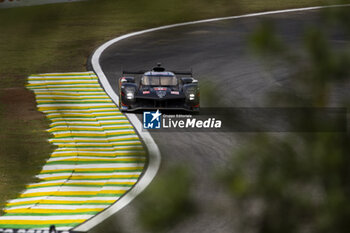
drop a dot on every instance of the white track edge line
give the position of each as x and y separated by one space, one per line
154 153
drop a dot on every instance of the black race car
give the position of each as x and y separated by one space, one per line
158 89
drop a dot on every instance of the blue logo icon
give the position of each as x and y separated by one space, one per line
151 120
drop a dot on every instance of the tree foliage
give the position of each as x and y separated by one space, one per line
298 182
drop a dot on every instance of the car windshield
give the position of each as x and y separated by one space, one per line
159 80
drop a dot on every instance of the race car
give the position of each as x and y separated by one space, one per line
158 89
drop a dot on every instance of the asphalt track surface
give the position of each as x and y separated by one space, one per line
221 59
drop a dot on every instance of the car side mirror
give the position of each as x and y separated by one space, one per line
127 79
186 80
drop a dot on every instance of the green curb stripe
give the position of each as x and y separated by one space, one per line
40 102
65 93
96 178
100 156
80 90
45 98
62 83
140 154
68 74
84 185
106 112
78 78
52 214
85 128
66 204
104 147
93 162
69 87
76 142
88 124
48 79
81 116
93 108
72 129
132 140
97 149
93 134
62 106
100 147
91 172
33 226
92 153
97 117
65 77
96 194
97 112
53 83
98 136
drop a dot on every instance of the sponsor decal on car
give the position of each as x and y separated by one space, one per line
160 88
161 94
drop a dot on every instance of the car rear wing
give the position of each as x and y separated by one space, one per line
190 73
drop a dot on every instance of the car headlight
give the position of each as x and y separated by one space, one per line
191 96
130 93
191 93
